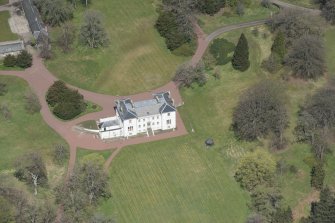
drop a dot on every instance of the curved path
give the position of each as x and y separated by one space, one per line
40 79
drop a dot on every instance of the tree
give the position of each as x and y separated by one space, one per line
317 176
175 27
24 59
260 111
328 11
220 48
255 169
324 210
32 104
94 179
66 103
278 46
67 36
3 89
295 24
60 153
92 32
307 58
186 75
283 215
55 12
210 6
240 59
31 169
9 61
265 201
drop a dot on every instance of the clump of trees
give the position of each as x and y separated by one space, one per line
307 58
187 74
15 206
23 60
87 185
210 6
92 32
240 60
327 9
174 23
31 169
322 210
261 111
65 103
54 12
256 173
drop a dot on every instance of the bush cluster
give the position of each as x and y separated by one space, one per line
23 60
66 103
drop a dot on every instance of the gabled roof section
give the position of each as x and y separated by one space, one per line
34 20
161 103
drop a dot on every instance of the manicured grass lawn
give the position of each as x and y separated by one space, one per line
179 180
83 152
23 132
229 16
3 2
136 59
6 33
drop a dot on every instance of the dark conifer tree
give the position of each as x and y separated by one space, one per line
324 210
317 176
278 46
240 59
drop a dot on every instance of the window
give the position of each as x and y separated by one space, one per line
157 123
143 125
153 123
139 126
130 128
168 114
168 121
157 117
153 118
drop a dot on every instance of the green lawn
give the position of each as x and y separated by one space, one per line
3 2
229 16
136 59
179 180
330 42
6 33
24 132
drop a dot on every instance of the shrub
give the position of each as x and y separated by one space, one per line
32 103
24 59
60 154
66 103
3 89
9 61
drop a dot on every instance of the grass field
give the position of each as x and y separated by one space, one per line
179 180
228 16
3 2
136 59
23 132
330 41
6 33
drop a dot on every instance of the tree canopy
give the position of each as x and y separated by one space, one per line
240 59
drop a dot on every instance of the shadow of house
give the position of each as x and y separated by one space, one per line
36 25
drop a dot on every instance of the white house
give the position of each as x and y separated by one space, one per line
144 117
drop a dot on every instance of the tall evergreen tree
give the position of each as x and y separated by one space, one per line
240 59
283 215
278 46
324 210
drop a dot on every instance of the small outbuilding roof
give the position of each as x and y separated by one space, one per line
11 47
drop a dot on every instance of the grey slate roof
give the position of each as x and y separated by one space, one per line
33 17
109 124
161 103
11 47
